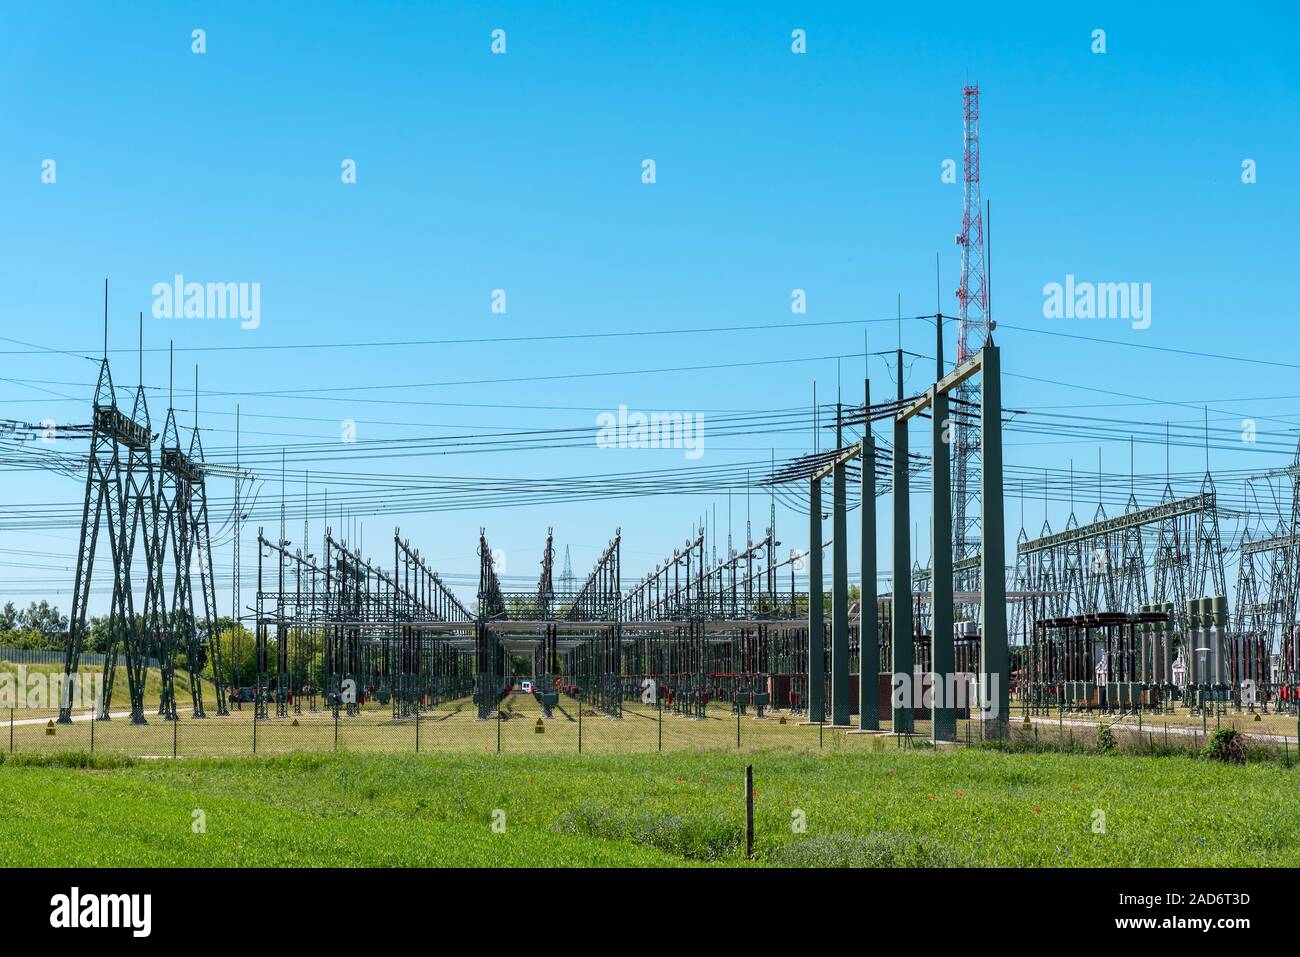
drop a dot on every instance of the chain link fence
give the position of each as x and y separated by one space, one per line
520 726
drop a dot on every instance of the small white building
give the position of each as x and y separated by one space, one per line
1179 670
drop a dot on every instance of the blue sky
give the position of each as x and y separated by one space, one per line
522 172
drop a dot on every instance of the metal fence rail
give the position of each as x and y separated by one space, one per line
519 727
45 656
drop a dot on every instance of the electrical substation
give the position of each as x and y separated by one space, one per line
1130 613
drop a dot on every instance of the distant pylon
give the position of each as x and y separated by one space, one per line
566 576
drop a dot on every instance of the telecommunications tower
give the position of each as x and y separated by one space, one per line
973 330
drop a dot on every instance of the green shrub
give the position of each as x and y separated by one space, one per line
1105 739
1227 745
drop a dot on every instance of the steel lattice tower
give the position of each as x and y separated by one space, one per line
566 576
201 542
173 509
105 501
973 328
141 507
545 585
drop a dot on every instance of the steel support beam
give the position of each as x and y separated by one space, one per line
903 663
816 630
995 681
868 622
942 659
840 706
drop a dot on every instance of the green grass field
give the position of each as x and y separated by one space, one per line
651 789
887 808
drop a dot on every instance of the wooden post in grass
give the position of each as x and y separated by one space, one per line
749 811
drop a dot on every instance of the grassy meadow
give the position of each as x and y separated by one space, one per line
966 807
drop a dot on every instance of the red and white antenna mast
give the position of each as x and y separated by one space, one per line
973 328
972 295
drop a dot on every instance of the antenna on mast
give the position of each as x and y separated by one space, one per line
974 331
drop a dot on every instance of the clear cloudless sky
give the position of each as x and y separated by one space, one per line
522 172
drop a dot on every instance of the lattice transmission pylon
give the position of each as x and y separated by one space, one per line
1171 561
1133 564
178 475
104 503
142 525
201 541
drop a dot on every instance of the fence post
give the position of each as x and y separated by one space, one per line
580 726
255 727
737 727
660 705
92 730
175 733
749 811
417 729
11 730
336 727
498 730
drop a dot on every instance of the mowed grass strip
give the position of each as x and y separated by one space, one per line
961 808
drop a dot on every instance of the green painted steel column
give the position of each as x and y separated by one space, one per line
1219 612
995 680
840 707
868 628
942 657
816 629
1144 660
1167 652
903 658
